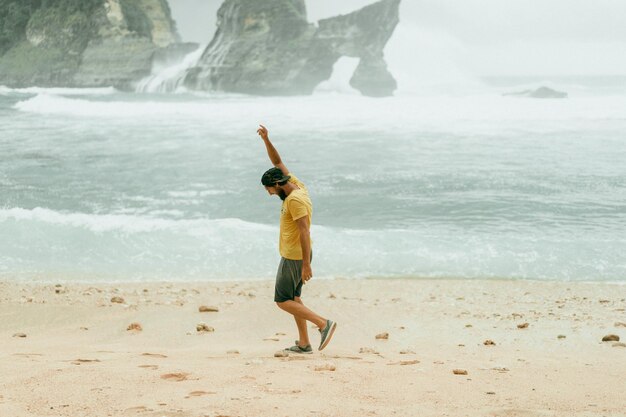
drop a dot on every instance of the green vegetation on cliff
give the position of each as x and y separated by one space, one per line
14 16
136 18
17 15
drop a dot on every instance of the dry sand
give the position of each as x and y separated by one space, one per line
454 348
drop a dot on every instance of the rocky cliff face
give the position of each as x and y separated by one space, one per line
86 43
268 47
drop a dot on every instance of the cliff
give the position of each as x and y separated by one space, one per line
81 43
269 48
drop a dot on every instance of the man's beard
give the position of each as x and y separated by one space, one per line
282 195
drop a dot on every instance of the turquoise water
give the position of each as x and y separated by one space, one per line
104 185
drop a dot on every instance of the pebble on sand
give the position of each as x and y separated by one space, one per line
281 354
561 336
489 342
118 300
382 336
201 327
233 352
134 327
610 338
522 326
208 309
325 367
459 372
19 335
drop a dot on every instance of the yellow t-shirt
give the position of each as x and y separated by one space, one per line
296 205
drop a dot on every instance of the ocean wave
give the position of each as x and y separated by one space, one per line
137 247
127 223
407 111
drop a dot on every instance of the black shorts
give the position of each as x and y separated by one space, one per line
288 280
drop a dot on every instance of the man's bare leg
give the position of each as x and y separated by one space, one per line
301 312
303 332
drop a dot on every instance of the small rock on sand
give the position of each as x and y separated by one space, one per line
19 335
208 309
610 338
201 327
233 352
178 376
382 336
118 300
134 327
459 372
522 326
407 352
561 336
368 350
325 367
489 342
281 354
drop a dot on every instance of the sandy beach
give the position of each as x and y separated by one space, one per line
519 348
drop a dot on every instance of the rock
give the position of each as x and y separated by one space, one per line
541 92
522 326
382 336
134 327
368 350
561 336
459 372
204 328
325 367
233 352
489 342
117 300
208 309
177 376
269 48
611 338
19 335
407 352
281 354
490 393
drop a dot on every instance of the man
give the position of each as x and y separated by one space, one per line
295 248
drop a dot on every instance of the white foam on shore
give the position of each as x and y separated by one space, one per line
99 91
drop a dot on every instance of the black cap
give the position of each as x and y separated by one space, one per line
273 176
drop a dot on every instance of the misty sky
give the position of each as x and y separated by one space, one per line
453 39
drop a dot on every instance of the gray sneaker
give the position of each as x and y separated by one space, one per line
298 349
327 333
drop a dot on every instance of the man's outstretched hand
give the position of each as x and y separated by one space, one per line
262 131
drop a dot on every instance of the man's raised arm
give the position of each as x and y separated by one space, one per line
271 151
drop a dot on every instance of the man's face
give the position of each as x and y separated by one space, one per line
277 190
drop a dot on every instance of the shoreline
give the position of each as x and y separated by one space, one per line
79 359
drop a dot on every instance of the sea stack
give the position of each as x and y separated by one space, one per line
270 48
